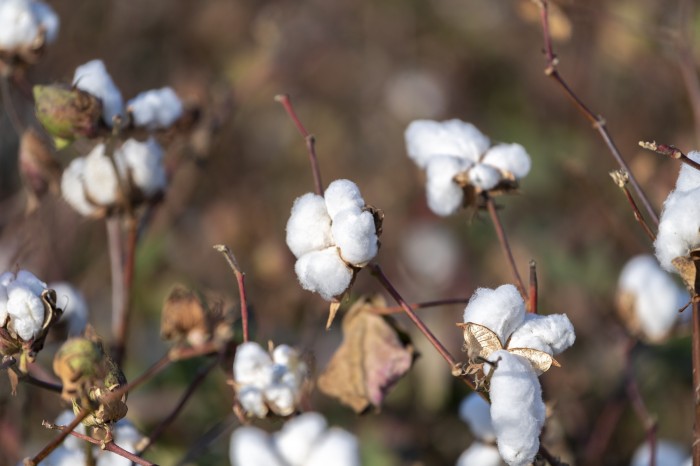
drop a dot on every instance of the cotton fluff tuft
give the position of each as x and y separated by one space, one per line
476 412
337 447
552 333
444 196
21 307
355 234
92 77
679 227
689 177
251 446
667 454
657 298
298 437
426 138
145 164
73 187
72 302
155 109
480 454
517 409
21 22
501 310
509 158
323 272
342 195
309 226
484 176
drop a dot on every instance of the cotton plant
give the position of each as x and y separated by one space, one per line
476 412
268 381
25 27
460 163
305 440
332 236
667 454
514 347
648 299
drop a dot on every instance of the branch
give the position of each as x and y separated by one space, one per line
398 309
670 151
620 178
120 318
53 444
532 292
240 279
505 246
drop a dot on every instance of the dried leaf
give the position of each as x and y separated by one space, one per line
540 360
373 356
480 340
686 269
14 380
332 311
184 317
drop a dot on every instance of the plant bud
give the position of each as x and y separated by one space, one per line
67 113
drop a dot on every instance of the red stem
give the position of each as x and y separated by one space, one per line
505 246
532 293
240 280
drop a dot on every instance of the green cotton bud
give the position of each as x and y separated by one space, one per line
67 113
78 363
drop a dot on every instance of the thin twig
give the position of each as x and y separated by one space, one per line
670 151
620 178
115 245
597 121
424 305
240 279
121 319
308 138
505 246
54 443
532 292
31 380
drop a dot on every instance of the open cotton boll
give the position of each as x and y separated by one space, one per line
679 228
341 195
484 176
251 446
75 310
252 365
73 187
298 436
92 77
145 165
355 234
337 447
281 398
309 226
689 177
26 312
426 139
517 409
157 108
100 178
501 310
252 400
476 412
323 272
444 195
26 279
480 454
552 333
509 158
21 21
667 454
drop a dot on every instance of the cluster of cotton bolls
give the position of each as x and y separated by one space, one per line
679 226
667 454
476 412
456 155
265 382
72 451
26 24
523 340
648 299
330 236
22 311
303 441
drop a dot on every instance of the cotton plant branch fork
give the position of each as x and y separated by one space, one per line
240 279
597 121
621 178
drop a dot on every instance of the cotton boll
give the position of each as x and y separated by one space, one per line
337 447
18 25
252 365
484 176
501 310
26 312
426 139
28 280
75 310
281 398
46 19
145 164
517 409
689 177
551 334
476 412
444 195
679 228
252 399
481 455
667 454
158 108
309 226
298 436
411 94
341 195
73 187
251 446
355 235
323 272
100 178
285 355
92 77
509 158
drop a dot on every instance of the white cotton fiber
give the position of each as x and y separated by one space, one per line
251 446
299 436
426 139
100 178
73 187
26 279
444 195
667 454
501 310
281 398
509 158
355 234
337 447
154 109
476 412
479 454
552 333
145 164
679 228
21 21
484 177
517 409
689 177
309 226
657 298
92 77
323 272
252 365
72 302
3 305
47 19
341 195
26 311
252 400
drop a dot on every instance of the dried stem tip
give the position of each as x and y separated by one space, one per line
663 149
620 177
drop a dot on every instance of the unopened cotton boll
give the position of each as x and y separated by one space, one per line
480 454
145 164
679 227
92 77
484 176
299 436
252 365
551 334
73 187
337 447
355 235
444 195
72 302
426 139
501 310
476 412
309 226
157 108
323 272
342 195
509 158
251 446
667 454
517 409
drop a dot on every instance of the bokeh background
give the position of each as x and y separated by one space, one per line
358 72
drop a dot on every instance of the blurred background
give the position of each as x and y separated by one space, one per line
358 73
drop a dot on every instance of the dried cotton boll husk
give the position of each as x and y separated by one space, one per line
309 226
476 412
324 272
426 139
667 454
444 196
510 159
480 454
299 436
552 333
501 310
251 446
73 188
484 177
145 164
92 77
679 228
517 409
354 233
157 108
342 195
337 447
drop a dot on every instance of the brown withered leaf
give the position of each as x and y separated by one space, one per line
39 169
184 317
480 340
332 311
373 356
686 269
540 360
